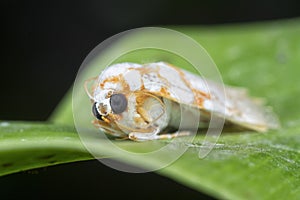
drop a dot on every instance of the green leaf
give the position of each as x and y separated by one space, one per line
262 57
241 166
26 146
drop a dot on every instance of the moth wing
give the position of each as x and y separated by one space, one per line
240 109
249 112
232 103
166 81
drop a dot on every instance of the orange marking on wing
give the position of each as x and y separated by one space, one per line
147 70
112 79
124 84
199 95
166 95
198 98
164 91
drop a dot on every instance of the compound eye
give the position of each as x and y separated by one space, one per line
118 103
95 111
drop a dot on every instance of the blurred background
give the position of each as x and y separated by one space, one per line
43 46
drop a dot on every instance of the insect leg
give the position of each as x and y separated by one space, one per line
152 136
173 135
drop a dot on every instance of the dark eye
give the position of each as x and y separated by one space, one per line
95 111
118 103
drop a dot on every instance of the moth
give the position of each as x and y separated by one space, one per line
144 102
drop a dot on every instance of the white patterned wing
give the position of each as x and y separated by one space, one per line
235 105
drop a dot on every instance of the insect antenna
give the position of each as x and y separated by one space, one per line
86 82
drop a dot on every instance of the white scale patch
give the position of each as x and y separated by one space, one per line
117 69
178 88
152 82
133 79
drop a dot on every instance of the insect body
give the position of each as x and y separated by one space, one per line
142 102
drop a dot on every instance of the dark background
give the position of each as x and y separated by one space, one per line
43 45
